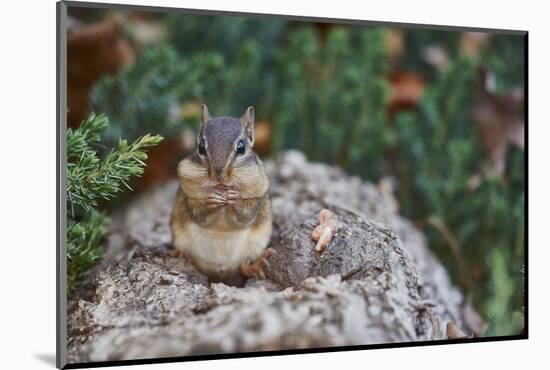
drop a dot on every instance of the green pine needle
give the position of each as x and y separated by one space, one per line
91 179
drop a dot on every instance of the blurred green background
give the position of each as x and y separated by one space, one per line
434 117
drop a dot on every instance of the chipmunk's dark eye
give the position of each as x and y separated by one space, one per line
202 147
240 147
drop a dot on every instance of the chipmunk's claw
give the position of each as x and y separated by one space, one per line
215 200
213 205
255 268
221 197
176 253
231 195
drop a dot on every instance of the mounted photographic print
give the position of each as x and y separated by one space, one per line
235 184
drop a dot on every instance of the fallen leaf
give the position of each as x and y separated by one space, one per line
262 140
93 50
472 42
453 332
500 123
406 89
395 43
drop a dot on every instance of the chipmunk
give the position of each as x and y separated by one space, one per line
221 218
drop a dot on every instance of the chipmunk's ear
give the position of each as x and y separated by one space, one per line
247 121
205 115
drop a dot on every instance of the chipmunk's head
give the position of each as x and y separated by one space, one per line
224 144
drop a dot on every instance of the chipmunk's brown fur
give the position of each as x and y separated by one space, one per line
221 219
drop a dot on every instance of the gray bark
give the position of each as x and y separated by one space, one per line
376 282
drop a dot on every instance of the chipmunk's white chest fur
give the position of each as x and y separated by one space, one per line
222 248
221 252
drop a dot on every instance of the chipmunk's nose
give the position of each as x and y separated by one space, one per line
218 170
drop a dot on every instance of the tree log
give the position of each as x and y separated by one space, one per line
376 281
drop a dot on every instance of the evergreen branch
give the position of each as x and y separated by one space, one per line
83 245
89 132
91 179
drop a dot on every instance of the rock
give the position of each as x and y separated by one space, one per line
376 282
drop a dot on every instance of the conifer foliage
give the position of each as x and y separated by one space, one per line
90 180
327 90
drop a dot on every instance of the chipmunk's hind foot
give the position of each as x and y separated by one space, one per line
255 268
176 253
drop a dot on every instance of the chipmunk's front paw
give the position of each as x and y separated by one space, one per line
216 200
221 197
255 269
231 196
